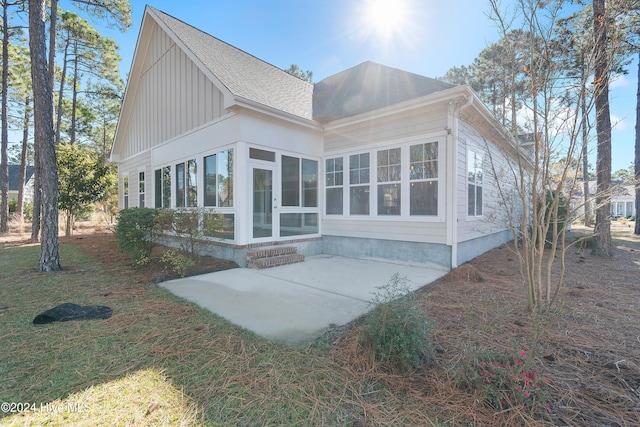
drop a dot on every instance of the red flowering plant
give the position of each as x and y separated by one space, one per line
505 382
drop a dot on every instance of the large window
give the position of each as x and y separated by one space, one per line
141 189
218 179
186 184
180 185
423 179
334 185
389 177
299 182
290 181
359 184
225 178
163 187
474 183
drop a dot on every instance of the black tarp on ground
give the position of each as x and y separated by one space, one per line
70 311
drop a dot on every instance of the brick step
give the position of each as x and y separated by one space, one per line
275 261
273 256
272 252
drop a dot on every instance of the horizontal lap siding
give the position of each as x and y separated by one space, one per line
375 134
427 232
132 167
494 217
382 130
173 97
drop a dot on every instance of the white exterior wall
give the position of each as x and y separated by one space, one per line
492 219
172 96
399 131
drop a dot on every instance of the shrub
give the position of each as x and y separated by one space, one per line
505 382
397 329
135 231
177 261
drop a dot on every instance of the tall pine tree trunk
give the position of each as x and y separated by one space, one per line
637 156
4 144
23 159
602 231
44 137
585 148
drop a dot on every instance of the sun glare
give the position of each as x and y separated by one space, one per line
385 17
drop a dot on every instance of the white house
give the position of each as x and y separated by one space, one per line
373 162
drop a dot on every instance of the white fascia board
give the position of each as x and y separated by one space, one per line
247 104
449 95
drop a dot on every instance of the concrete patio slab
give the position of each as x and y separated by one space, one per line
297 302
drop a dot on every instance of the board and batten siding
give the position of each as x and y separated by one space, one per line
173 96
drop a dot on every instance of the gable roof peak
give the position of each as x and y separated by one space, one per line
245 76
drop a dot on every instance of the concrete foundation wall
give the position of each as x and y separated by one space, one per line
412 253
238 254
472 248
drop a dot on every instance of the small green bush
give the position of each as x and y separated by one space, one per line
397 329
177 261
135 231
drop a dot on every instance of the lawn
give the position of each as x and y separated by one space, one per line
162 361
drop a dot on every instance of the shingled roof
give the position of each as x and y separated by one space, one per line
244 75
367 87
14 176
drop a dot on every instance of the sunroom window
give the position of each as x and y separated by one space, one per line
299 182
186 184
163 187
423 179
389 177
334 186
359 184
218 179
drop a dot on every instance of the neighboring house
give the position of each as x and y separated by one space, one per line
623 199
14 183
373 162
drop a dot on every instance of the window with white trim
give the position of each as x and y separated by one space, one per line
218 179
125 191
423 179
141 189
163 187
359 184
474 183
187 184
389 181
299 182
334 185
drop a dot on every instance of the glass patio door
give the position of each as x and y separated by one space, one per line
263 199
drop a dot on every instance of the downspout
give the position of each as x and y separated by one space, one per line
453 130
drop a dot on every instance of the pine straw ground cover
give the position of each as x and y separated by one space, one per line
162 361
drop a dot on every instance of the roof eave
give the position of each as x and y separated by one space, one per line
248 104
444 96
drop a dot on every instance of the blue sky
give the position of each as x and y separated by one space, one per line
329 36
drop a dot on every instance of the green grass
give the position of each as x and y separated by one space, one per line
157 351
621 234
